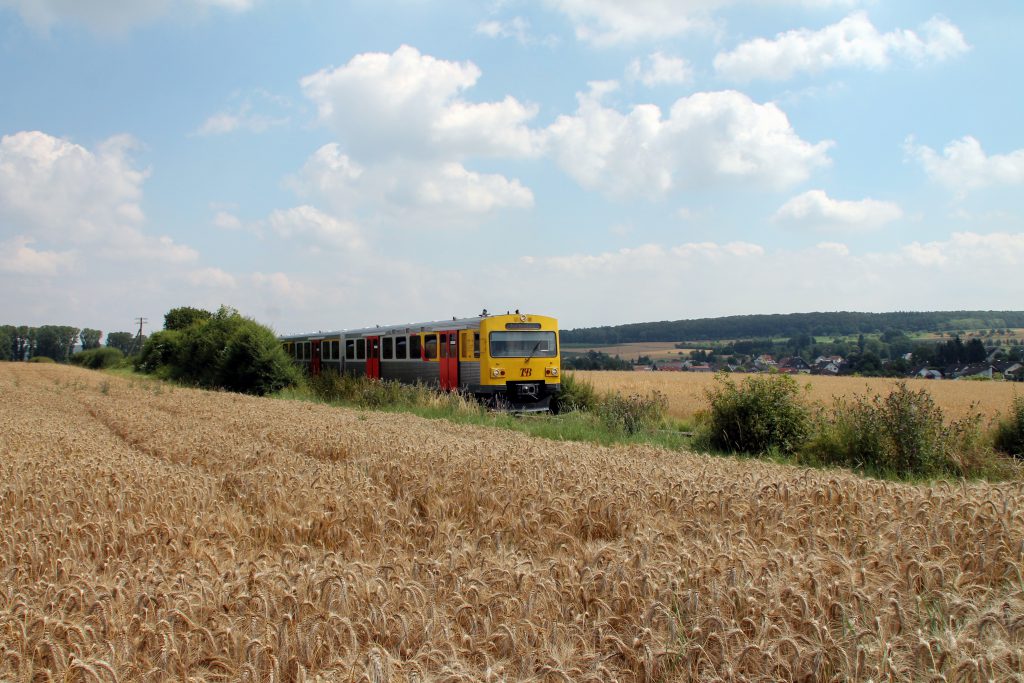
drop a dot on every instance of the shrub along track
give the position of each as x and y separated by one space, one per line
149 532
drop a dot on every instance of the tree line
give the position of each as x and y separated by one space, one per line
832 324
57 342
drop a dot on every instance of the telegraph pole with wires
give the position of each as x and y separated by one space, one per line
137 342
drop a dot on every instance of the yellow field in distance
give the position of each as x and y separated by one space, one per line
685 390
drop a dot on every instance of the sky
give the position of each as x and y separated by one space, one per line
329 165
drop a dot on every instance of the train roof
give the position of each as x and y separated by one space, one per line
403 328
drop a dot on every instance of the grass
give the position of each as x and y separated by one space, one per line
588 426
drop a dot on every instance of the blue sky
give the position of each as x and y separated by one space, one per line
321 165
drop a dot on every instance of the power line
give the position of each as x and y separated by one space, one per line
137 342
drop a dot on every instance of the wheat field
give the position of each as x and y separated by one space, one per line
150 533
686 397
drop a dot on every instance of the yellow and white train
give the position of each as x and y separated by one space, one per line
512 359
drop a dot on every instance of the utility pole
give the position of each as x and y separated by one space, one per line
137 342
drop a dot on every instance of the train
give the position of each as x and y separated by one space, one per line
511 360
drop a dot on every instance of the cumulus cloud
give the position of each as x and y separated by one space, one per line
815 210
113 15
16 256
410 104
53 190
852 42
309 224
59 190
705 138
401 153
454 186
433 191
660 69
963 165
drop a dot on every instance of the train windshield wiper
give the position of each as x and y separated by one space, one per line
535 347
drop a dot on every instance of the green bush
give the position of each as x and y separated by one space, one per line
161 350
903 434
98 358
225 351
1009 433
41 359
763 414
632 414
253 362
575 394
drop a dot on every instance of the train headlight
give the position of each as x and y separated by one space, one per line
497 372
551 372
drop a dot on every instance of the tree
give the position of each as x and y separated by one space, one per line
975 351
56 342
184 317
8 335
122 341
90 338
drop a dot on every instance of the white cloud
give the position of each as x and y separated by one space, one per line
454 186
968 250
214 278
852 42
138 247
434 192
279 287
606 23
16 256
113 15
706 138
815 210
966 270
55 191
58 190
409 104
226 220
660 69
255 112
516 27
963 165
611 22
307 223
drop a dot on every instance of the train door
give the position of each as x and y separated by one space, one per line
449 353
373 357
314 359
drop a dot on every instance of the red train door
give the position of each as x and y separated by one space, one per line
314 359
449 357
373 357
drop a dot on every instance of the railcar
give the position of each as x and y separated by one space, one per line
511 360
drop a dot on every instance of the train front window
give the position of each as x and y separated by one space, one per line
523 345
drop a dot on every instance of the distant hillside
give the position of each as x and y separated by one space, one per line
791 324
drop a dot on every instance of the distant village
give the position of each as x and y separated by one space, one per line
996 354
991 368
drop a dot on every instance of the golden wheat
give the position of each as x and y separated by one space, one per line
151 533
686 397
